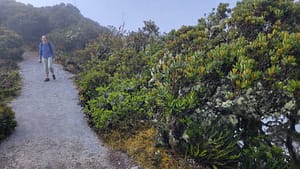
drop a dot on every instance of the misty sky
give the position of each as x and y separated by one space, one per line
167 14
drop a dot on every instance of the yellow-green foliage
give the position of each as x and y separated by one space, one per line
141 146
206 89
120 105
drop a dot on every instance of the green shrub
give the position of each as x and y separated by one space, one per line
120 105
211 143
9 85
88 83
10 45
10 53
7 121
262 155
201 75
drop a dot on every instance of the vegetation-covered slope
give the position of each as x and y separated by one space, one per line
64 21
10 53
224 92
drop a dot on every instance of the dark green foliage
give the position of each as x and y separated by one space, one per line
76 35
112 84
211 142
10 53
23 19
9 86
253 17
120 105
29 24
10 45
88 84
263 156
217 92
61 15
7 121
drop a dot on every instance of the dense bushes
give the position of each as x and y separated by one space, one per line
263 156
115 96
120 105
208 145
219 93
89 83
76 35
10 45
7 121
9 84
10 53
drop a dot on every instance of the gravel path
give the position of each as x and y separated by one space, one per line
52 132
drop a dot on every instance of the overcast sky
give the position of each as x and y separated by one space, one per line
167 14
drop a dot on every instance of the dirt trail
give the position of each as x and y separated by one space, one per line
52 132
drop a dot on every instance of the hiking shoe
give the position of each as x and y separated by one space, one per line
47 79
53 77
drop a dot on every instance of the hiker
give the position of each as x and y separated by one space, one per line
46 52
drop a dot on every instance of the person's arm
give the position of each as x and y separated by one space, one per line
52 48
40 52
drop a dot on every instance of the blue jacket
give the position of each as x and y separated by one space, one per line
46 50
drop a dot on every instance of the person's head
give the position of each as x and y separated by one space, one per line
44 38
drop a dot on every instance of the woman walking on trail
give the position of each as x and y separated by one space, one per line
46 52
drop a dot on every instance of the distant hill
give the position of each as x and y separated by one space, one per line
32 22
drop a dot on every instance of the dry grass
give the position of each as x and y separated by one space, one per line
141 147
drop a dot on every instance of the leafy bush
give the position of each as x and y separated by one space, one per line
208 145
89 82
7 121
10 45
206 87
9 85
120 105
10 53
263 156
